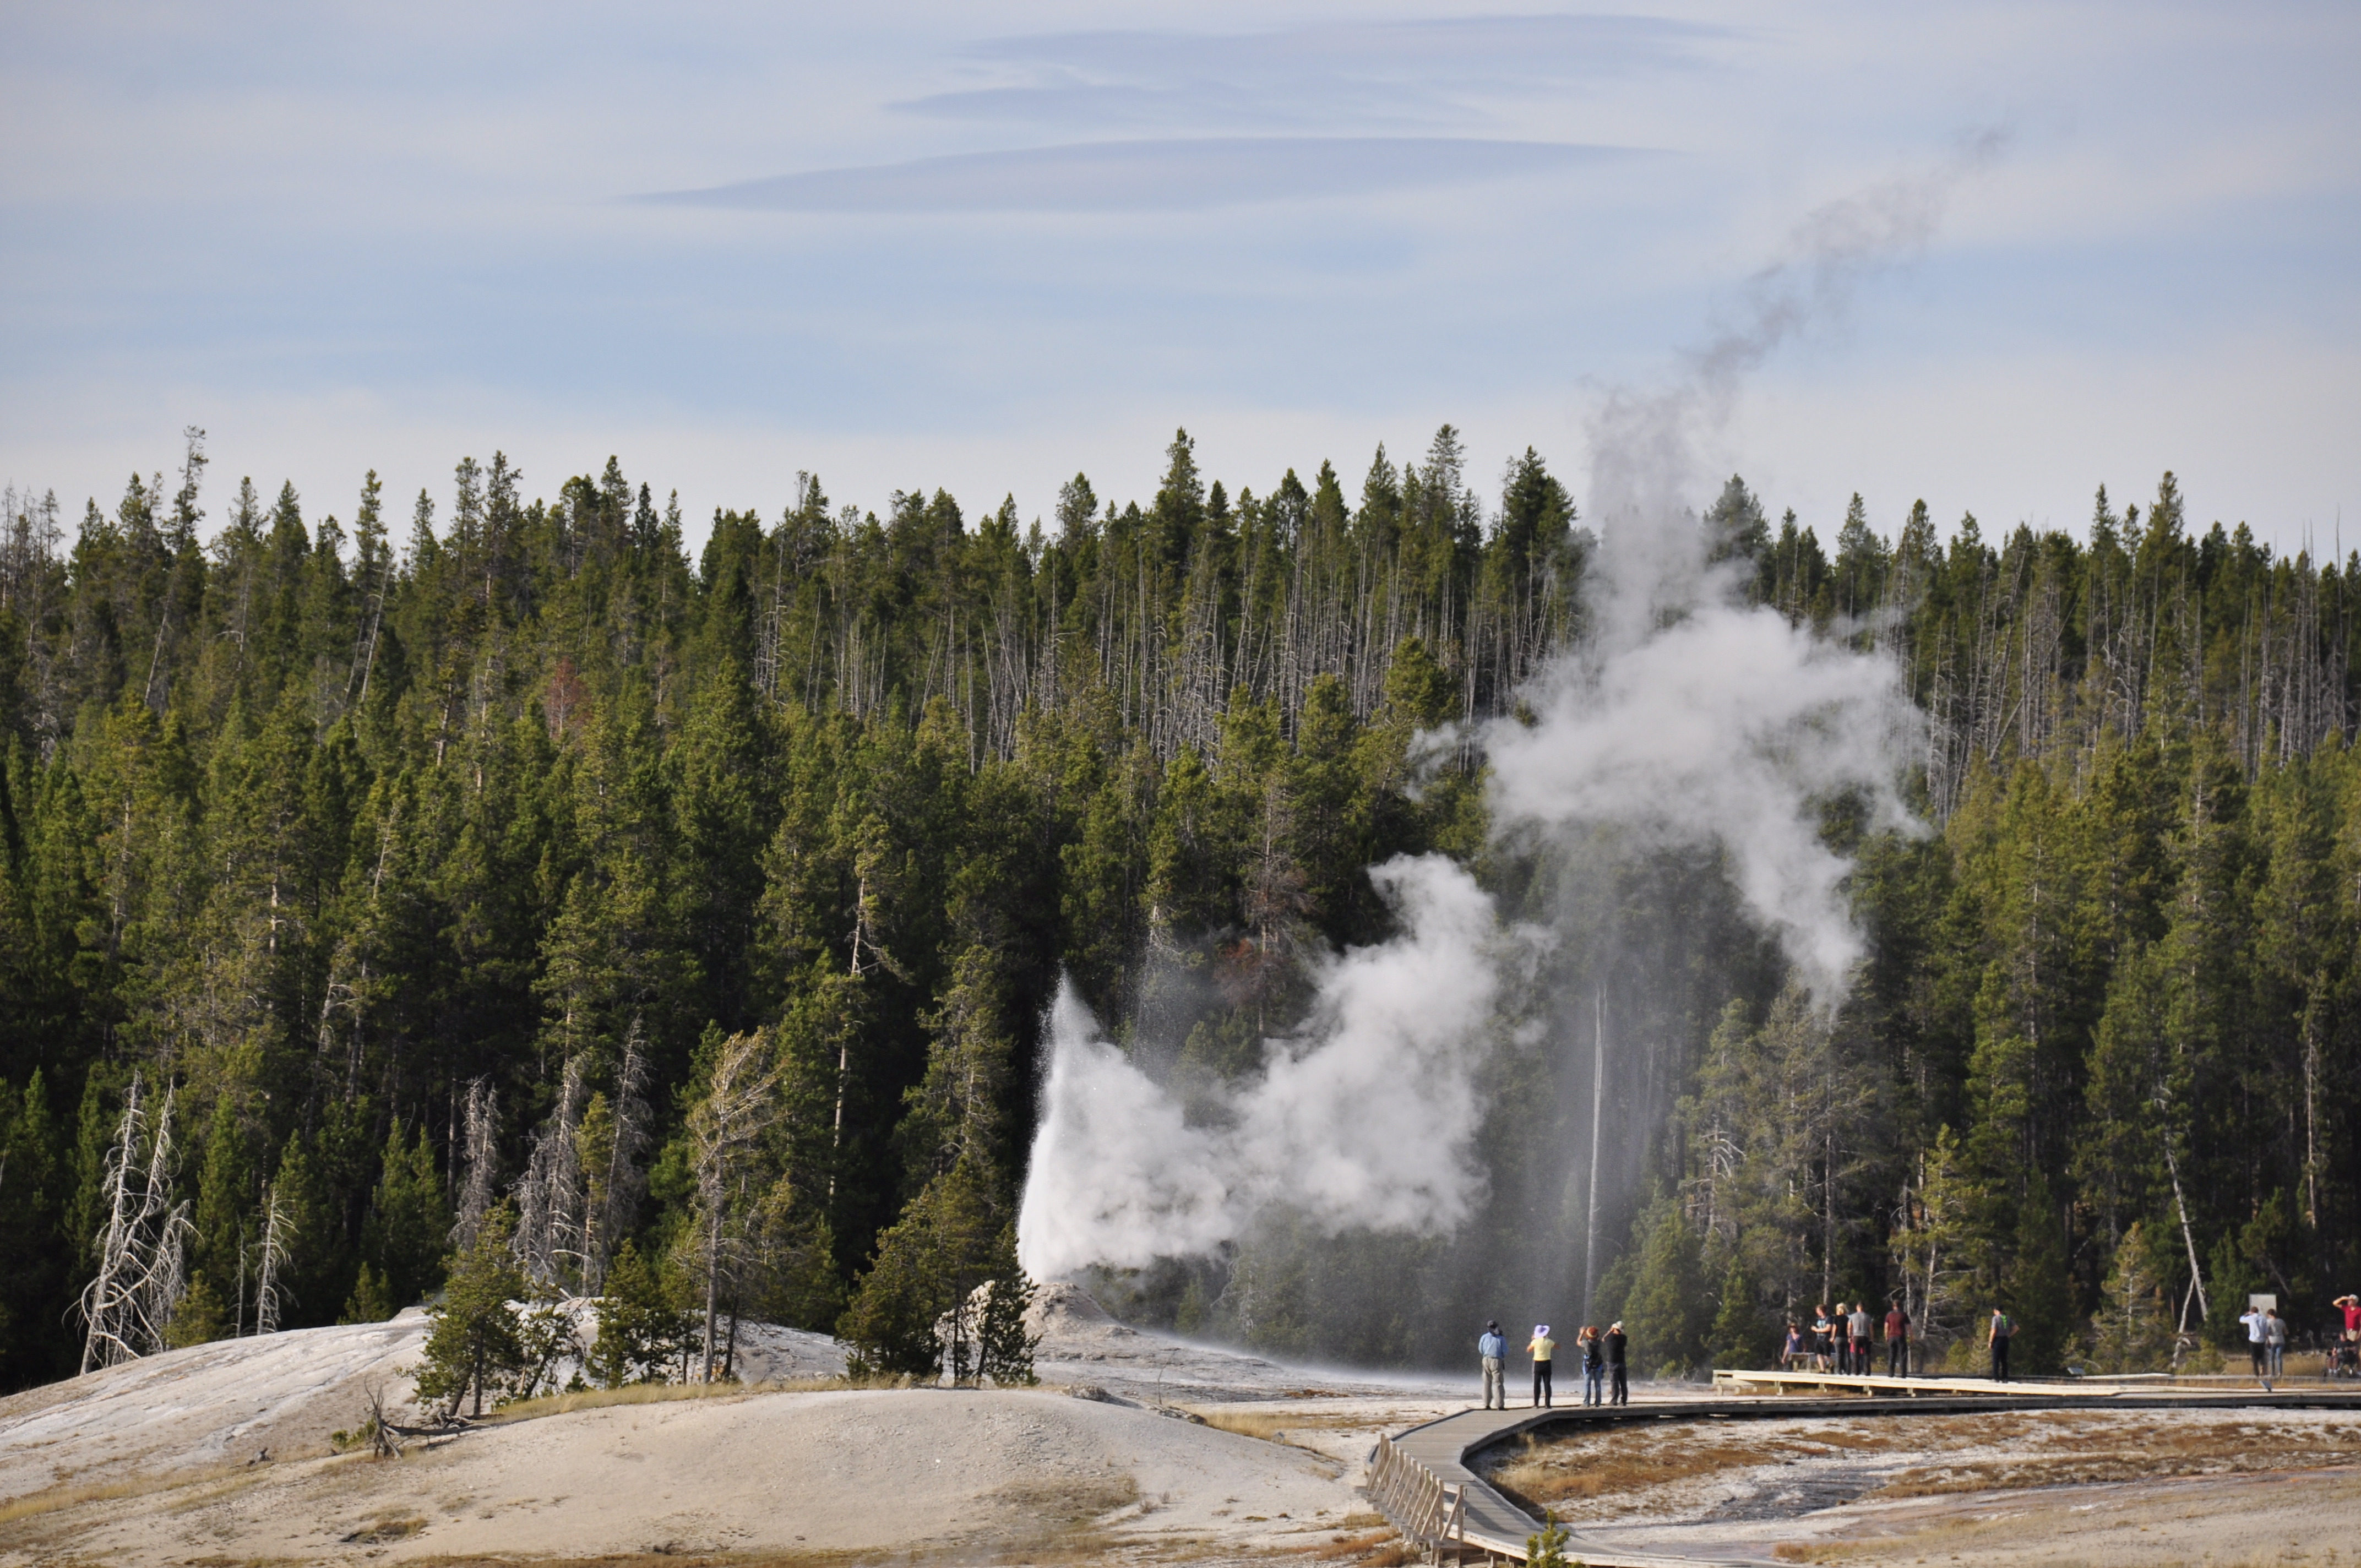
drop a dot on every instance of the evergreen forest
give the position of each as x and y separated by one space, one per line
373 884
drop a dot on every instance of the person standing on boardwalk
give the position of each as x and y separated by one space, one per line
1997 1336
2275 1342
2258 1346
1821 1332
1614 1346
1897 1342
1863 1326
1542 1349
1593 1365
1493 1346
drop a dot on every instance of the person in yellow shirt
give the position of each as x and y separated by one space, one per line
1541 1350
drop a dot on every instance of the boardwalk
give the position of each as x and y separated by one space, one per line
1420 1481
1473 1517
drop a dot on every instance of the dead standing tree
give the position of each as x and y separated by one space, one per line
270 1294
141 1251
723 1130
478 1157
549 1198
611 1144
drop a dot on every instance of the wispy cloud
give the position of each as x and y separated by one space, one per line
1175 175
1429 72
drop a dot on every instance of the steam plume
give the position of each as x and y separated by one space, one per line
1686 720
1362 1119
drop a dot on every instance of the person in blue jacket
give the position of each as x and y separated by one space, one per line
1493 1346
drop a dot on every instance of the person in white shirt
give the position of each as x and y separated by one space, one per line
2258 1335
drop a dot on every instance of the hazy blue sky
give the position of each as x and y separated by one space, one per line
980 246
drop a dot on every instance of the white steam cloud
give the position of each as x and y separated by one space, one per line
1361 1119
1685 720
1725 729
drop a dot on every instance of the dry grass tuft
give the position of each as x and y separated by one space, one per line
32 1505
386 1527
1356 1547
1067 1503
57 1499
1269 1425
1546 1473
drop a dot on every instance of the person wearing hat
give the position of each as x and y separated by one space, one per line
1542 1348
1594 1365
1493 1347
1615 1347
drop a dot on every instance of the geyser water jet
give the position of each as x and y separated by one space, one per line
1689 733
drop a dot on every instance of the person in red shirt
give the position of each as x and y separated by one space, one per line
2351 1305
1897 1342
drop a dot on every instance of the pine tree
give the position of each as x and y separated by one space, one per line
2039 1294
1668 1312
951 1239
409 1222
473 1340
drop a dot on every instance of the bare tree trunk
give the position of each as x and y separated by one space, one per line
2188 1237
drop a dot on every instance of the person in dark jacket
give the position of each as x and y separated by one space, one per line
1613 1345
1594 1365
2002 1330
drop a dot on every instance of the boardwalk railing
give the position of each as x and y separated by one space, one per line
1415 1500
1727 1380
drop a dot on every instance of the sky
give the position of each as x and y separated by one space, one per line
984 247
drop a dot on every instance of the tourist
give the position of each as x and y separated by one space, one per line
1615 1346
2351 1306
1793 1351
1997 1336
2258 1344
1542 1348
1594 1365
1897 1342
1821 1330
2275 1342
1861 1329
1493 1346
1840 1336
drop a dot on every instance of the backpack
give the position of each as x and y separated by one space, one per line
2004 1325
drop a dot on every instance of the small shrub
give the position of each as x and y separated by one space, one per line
1546 1548
1005 1349
371 1300
198 1319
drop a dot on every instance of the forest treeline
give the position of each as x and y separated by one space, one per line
361 880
